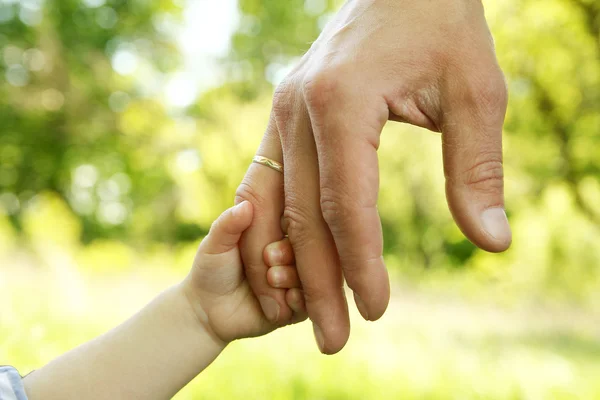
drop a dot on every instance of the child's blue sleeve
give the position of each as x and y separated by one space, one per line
11 385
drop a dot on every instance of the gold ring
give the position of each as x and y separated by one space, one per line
267 162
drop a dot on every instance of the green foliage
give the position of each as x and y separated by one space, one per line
61 107
104 192
132 170
272 35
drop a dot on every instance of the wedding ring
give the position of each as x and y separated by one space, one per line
267 162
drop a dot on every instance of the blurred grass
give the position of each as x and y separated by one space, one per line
490 331
429 345
105 191
448 334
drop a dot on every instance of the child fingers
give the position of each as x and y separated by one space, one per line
284 277
295 299
226 231
279 253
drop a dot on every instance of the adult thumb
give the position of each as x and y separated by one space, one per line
473 115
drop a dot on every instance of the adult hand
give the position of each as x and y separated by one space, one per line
427 63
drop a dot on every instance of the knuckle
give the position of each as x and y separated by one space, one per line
283 99
320 87
313 294
246 191
486 175
335 208
299 221
489 93
222 224
355 266
333 212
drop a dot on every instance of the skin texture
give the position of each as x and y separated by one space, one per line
426 63
171 340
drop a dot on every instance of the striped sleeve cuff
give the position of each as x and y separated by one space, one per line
11 385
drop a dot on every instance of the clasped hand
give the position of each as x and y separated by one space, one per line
431 64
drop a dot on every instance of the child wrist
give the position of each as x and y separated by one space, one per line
197 312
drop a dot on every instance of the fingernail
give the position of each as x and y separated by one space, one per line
277 277
270 307
362 307
319 337
496 224
275 254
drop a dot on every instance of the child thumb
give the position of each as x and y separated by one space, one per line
226 231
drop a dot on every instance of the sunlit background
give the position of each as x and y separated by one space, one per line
126 126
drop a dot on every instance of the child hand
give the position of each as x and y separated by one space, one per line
217 287
282 273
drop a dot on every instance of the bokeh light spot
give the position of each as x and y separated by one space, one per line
85 176
109 190
112 213
34 60
315 7
250 25
179 91
94 3
17 75
29 15
7 13
118 101
276 72
12 55
9 203
188 160
107 18
124 62
123 181
82 201
52 100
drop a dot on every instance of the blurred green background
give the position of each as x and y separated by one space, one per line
125 127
